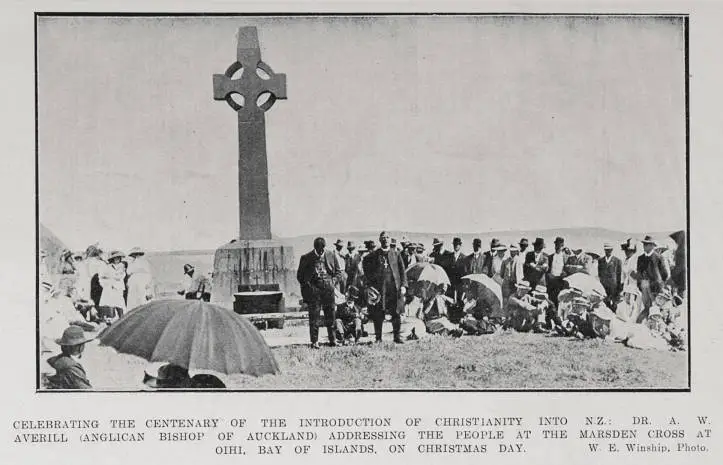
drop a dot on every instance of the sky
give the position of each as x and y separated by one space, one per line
445 124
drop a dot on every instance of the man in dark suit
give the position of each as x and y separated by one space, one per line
318 275
652 273
610 273
456 266
384 271
475 260
438 255
536 264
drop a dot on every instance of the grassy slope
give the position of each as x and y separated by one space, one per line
505 361
508 360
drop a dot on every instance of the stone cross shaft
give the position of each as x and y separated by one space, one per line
251 94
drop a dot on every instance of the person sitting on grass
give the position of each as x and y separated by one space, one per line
521 311
546 308
434 314
351 317
69 373
478 318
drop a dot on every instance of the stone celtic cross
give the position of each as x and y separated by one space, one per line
250 87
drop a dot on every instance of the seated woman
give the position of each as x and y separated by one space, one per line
629 308
69 373
434 315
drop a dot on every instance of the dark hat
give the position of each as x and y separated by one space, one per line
339 242
629 244
494 243
419 245
649 240
187 268
206 381
136 251
73 336
477 241
168 375
436 242
370 244
373 296
559 240
350 245
456 241
353 292
524 241
539 242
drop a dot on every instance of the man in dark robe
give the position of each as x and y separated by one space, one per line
384 271
318 275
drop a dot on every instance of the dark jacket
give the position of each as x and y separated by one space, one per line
69 373
535 271
611 275
456 268
373 271
474 264
307 276
654 270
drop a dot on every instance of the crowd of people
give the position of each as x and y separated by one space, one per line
639 299
89 291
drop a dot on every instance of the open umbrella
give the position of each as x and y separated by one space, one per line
586 283
425 279
483 288
193 334
426 271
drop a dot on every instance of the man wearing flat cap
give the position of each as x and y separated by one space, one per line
318 275
385 272
536 264
609 271
652 272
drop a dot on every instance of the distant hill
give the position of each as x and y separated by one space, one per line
53 246
168 265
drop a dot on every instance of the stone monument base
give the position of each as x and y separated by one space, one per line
249 266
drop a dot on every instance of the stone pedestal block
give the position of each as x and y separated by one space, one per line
253 264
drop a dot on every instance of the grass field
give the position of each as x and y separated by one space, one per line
507 360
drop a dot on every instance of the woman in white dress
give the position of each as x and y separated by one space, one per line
140 287
111 278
